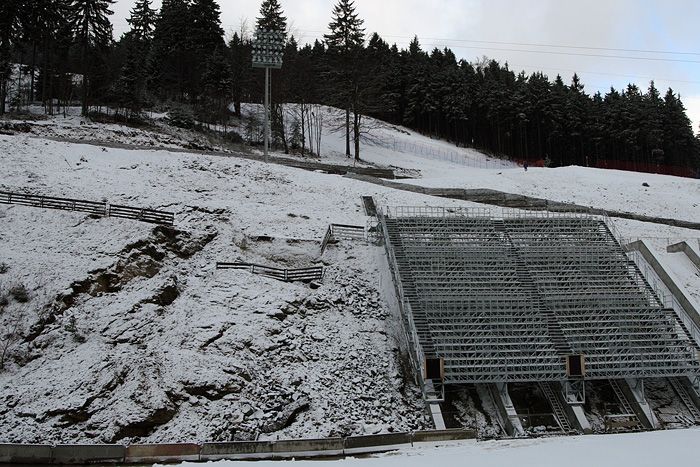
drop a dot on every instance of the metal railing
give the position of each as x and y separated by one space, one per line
435 211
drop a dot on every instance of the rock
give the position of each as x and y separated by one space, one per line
286 417
645 184
318 337
237 418
277 314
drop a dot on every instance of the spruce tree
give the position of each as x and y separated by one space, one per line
142 21
271 17
345 42
217 81
241 58
10 15
92 30
206 33
131 86
172 58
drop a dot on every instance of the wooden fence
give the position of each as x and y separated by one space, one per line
96 208
342 231
286 275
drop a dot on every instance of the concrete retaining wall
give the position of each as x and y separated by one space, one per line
29 454
88 454
665 277
146 453
377 443
25 453
683 247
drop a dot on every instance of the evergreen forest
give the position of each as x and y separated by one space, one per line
180 58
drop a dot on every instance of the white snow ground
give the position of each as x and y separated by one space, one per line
151 343
653 449
442 165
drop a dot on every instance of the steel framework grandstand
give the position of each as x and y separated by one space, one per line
511 299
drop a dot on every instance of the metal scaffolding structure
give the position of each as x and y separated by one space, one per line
508 299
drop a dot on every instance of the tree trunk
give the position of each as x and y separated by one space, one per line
31 87
347 131
3 94
356 131
303 128
85 80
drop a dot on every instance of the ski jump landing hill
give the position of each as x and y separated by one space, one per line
543 298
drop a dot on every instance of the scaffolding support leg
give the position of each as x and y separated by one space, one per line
502 398
574 405
644 412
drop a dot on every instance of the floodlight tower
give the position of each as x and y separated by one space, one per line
268 50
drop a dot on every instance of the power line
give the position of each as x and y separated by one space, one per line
551 52
529 44
540 67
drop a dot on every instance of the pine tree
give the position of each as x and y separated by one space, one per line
271 18
56 40
345 42
217 81
131 86
142 21
172 58
241 57
92 30
10 16
206 32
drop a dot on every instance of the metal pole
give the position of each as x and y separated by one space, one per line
267 112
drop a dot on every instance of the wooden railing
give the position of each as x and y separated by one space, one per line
314 273
342 231
95 208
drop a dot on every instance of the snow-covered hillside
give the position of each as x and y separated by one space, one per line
440 164
130 333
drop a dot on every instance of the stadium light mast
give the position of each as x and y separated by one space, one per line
268 50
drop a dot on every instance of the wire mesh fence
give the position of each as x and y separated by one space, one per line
442 154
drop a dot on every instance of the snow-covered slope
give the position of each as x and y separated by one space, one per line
440 164
131 333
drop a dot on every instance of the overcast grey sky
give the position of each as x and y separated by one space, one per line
647 25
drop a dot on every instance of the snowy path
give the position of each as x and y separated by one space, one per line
654 449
